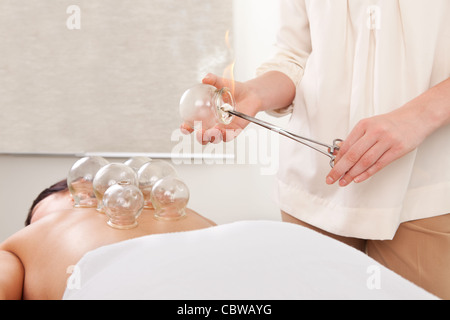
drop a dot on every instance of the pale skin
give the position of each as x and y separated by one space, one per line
373 144
34 262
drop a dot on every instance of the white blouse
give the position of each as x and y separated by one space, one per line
352 59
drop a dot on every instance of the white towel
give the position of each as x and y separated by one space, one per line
240 260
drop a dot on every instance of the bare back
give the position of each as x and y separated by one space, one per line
50 246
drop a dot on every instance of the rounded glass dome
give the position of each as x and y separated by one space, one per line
149 174
206 106
123 203
170 197
137 162
109 175
80 180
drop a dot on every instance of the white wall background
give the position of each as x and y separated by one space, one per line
221 192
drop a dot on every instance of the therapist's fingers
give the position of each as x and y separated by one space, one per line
238 89
337 172
186 129
382 162
368 159
349 158
216 134
230 134
344 146
213 135
217 81
373 144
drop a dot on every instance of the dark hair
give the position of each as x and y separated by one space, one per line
57 187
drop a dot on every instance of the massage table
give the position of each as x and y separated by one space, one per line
257 260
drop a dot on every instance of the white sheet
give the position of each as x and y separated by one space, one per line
241 260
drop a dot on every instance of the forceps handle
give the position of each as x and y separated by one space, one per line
291 135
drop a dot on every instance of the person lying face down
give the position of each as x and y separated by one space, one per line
34 262
57 198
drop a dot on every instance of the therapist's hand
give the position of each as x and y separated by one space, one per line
376 142
246 102
372 145
270 91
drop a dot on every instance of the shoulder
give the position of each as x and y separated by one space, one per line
31 234
11 276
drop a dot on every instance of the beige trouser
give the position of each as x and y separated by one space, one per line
419 252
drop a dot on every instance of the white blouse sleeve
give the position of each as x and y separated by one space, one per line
293 45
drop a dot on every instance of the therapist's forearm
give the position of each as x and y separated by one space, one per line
433 106
274 89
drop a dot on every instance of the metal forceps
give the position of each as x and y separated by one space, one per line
331 149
